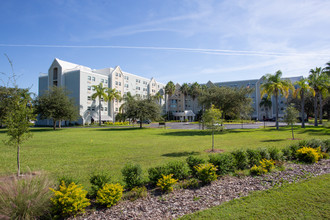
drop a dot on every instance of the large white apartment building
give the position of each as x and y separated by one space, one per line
78 80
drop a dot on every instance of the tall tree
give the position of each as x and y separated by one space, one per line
195 90
212 118
327 68
112 94
266 103
100 93
300 92
55 104
184 89
18 119
169 90
274 85
291 114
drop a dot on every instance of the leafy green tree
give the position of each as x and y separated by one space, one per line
194 92
184 89
169 90
112 94
100 93
212 119
18 119
266 103
300 92
274 85
55 104
142 109
291 114
327 68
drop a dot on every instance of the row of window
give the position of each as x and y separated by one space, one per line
92 108
92 78
118 83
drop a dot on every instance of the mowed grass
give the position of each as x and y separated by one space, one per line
304 200
78 152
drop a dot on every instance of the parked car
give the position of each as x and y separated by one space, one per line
144 121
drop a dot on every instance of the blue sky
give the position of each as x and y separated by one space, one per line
178 40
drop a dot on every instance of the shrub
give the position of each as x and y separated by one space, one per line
308 154
257 170
225 163
267 164
155 173
192 183
206 172
253 157
110 194
166 183
136 193
98 181
69 200
315 143
275 153
264 153
132 175
178 169
193 161
241 159
27 198
67 180
287 153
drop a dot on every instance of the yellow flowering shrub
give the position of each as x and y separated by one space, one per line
166 183
69 200
110 194
267 164
206 172
257 170
309 155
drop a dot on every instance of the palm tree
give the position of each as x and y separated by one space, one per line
274 85
300 93
111 95
327 68
185 91
195 90
266 103
100 92
158 96
169 90
319 81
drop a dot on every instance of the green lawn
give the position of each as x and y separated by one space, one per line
78 152
304 200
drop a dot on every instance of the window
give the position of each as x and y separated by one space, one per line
126 85
89 87
119 75
138 81
137 88
105 109
144 89
126 77
93 88
102 80
102 99
101 108
106 81
55 73
116 83
144 82
89 98
116 74
89 77
119 83
93 78
116 109
93 108
88 108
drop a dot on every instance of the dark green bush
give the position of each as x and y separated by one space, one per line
224 162
253 157
132 175
179 169
287 153
241 159
193 161
97 180
275 153
155 173
264 154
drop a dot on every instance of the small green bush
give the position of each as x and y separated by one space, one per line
275 153
257 170
136 193
287 153
110 194
98 181
27 198
224 162
132 175
193 161
179 170
69 200
263 153
155 173
192 183
166 183
308 154
253 156
206 173
241 159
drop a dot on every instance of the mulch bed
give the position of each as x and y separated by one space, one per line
184 201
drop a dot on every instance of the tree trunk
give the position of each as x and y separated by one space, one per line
302 109
321 113
18 163
315 110
54 124
276 106
292 131
100 112
59 123
140 123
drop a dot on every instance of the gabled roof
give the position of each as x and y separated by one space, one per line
70 66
